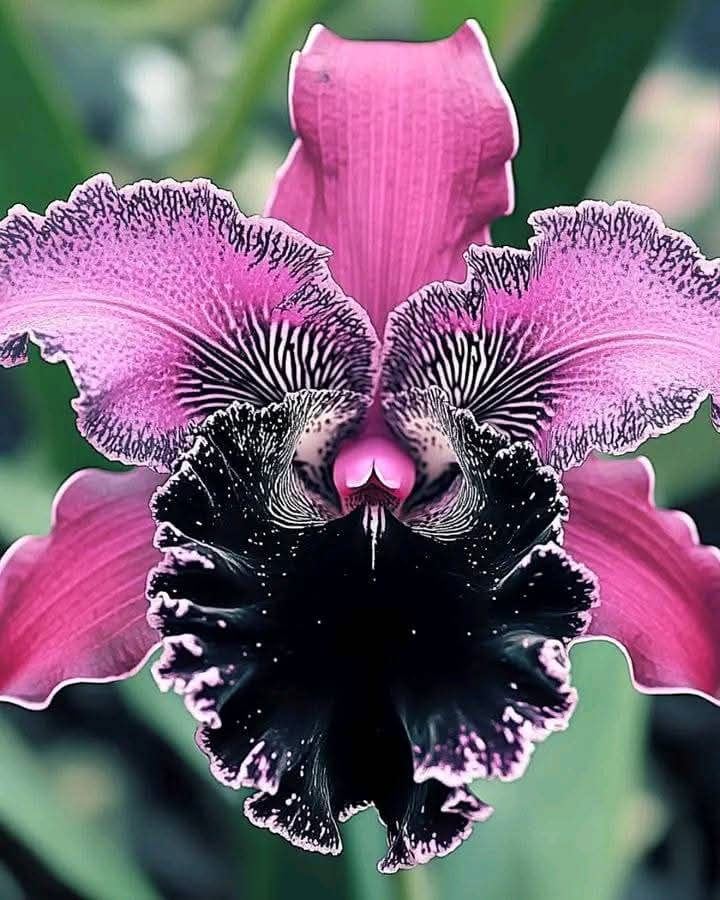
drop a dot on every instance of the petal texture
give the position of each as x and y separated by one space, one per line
605 333
72 604
401 159
659 587
168 303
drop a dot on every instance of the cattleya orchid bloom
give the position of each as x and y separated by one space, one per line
363 566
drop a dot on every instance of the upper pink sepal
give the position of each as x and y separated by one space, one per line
659 586
605 333
402 158
72 604
168 303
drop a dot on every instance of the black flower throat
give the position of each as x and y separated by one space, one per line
331 671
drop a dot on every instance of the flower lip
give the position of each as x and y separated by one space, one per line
324 706
373 468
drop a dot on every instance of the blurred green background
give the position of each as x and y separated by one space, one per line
105 795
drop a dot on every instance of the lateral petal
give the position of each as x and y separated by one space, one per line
659 586
72 604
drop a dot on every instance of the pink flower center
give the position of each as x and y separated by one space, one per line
375 470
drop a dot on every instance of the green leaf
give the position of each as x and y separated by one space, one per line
167 717
273 29
27 489
131 18
364 840
80 855
569 87
440 17
43 155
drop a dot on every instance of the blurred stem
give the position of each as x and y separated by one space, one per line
414 885
272 30
260 877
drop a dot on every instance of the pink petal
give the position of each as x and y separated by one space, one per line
659 587
168 303
402 158
606 333
72 604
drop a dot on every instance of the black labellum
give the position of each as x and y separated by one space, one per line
337 662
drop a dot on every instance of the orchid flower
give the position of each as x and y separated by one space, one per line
366 531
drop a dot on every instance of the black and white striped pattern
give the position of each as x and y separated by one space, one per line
260 357
488 371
